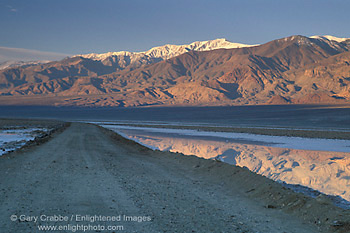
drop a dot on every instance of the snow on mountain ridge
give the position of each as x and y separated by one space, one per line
328 37
168 51
332 41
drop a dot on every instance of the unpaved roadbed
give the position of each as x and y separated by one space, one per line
88 170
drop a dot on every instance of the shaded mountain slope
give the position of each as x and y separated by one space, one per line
295 69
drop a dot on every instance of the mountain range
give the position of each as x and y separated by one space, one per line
291 70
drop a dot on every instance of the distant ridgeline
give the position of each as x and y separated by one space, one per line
292 70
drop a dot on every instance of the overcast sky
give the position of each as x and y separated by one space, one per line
84 26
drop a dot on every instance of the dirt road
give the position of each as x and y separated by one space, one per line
86 170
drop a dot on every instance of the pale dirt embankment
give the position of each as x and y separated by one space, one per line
90 170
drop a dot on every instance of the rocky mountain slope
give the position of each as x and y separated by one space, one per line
295 69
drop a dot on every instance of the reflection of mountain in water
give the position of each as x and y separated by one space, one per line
328 172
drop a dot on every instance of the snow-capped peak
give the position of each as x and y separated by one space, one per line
168 51
328 37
